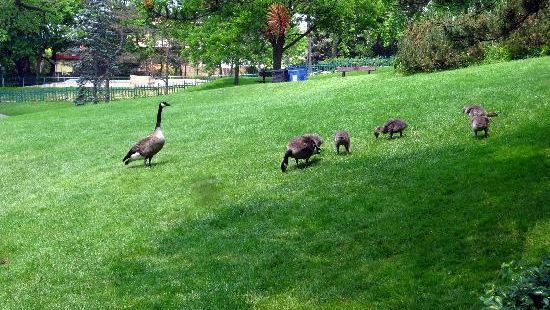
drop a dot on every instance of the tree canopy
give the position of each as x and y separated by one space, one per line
29 27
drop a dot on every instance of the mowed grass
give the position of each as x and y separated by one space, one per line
420 222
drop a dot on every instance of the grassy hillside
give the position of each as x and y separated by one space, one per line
421 222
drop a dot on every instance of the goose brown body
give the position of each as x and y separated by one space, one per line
480 123
341 138
300 148
476 110
315 137
149 146
392 126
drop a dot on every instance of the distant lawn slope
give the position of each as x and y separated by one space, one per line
421 222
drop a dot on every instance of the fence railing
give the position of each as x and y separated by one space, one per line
71 94
32 80
351 62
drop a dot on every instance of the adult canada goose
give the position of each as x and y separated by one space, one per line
147 147
316 138
300 148
391 126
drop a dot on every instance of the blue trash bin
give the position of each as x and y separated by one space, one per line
293 75
299 71
302 75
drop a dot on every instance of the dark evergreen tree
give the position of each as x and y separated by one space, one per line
101 43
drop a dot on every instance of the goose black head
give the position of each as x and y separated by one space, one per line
317 150
377 131
164 104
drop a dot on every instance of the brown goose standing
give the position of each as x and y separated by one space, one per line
147 147
391 126
300 148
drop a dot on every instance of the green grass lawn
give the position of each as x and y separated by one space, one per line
420 222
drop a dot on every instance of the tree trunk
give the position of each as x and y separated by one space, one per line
309 53
237 69
166 79
23 68
94 92
52 64
167 51
277 46
39 65
107 89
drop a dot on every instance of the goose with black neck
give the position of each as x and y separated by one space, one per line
149 146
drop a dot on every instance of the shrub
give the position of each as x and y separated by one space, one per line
495 52
524 288
427 47
532 37
512 30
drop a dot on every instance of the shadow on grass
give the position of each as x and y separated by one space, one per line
425 230
141 165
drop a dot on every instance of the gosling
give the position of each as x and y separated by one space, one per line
392 126
480 123
300 148
475 110
341 138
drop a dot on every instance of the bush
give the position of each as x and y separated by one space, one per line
427 47
495 52
524 288
512 30
532 37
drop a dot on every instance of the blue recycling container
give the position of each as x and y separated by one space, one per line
297 73
293 75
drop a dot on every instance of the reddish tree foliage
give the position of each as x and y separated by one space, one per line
278 21
148 4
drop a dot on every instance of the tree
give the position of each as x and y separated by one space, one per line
29 27
102 41
227 36
330 16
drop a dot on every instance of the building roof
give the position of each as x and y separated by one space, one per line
66 57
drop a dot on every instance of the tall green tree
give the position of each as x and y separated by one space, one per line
102 41
29 27
227 36
281 24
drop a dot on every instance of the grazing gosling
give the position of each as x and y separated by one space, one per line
479 123
147 147
391 126
341 138
300 148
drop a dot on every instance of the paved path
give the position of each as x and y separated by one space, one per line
3 115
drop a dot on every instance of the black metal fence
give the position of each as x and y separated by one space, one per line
71 94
